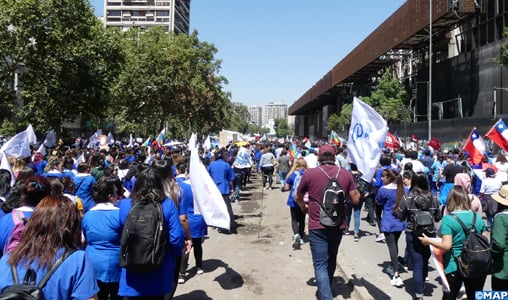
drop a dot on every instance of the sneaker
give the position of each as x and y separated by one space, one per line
200 271
296 241
301 241
181 278
380 237
397 281
356 237
270 188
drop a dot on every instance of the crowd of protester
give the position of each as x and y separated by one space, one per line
95 189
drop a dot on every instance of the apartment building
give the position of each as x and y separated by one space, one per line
172 15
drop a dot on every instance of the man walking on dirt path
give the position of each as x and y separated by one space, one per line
324 240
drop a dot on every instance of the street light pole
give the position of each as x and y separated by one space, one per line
494 104
429 100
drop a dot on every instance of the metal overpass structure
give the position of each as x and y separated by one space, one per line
403 40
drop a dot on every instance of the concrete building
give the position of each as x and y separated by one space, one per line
172 15
256 115
274 111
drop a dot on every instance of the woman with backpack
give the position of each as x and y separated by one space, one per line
297 216
407 207
138 280
498 240
52 234
452 241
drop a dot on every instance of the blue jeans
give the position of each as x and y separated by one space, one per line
282 177
324 246
419 256
357 211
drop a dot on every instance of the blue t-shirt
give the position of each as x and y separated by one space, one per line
74 279
102 231
450 226
386 196
197 225
158 282
295 177
7 225
222 174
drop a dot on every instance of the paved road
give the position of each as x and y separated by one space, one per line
259 262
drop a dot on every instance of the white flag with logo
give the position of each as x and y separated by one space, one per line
366 138
208 200
19 145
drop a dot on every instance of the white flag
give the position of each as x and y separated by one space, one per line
207 144
19 145
366 138
131 142
208 200
50 139
4 164
111 139
42 149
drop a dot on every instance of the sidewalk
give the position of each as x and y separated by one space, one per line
259 262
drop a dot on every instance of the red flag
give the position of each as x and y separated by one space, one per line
435 143
391 141
475 146
414 138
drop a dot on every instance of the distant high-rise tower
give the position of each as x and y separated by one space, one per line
274 111
256 116
172 15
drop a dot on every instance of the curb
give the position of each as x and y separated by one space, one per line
358 292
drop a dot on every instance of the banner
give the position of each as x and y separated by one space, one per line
208 200
4 164
366 138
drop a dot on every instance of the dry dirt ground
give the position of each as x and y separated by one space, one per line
258 262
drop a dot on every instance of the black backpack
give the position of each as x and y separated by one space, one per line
28 289
475 260
144 238
333 205
424 224
423 219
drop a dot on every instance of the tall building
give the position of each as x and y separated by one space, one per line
274 111
256 115
172 15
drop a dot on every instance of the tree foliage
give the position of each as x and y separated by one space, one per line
282 128
65 58
170 80
388 98
503 58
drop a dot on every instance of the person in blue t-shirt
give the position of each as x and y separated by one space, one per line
46 237
102 232
34 189
155 284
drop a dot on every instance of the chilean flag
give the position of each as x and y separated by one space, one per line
499 134
475 146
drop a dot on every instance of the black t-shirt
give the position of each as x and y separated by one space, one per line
450 171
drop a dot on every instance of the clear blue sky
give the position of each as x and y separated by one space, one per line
275 50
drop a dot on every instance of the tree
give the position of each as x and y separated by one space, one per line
388 98
65 58
240 118
282 128
334 122
503 59
170 80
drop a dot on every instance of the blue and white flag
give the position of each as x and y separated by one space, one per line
208 200
366 138
19 145
207 144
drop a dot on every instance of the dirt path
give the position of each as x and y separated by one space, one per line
258 262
